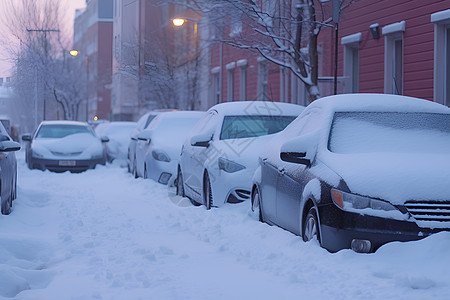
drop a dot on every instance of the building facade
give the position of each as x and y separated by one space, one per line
93 29
388 46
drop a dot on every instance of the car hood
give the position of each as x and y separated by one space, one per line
392 176
76 146
69 144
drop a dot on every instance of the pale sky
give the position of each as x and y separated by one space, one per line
71 5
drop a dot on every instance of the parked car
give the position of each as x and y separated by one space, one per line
221 153
141 124
118 134
159 146
8 170
64 146
357 171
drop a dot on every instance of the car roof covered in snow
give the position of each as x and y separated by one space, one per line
257 108
377 103
64 122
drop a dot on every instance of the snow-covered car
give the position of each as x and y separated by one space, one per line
159 146
8 170
221 153
358 171
118 134
64 146
141 124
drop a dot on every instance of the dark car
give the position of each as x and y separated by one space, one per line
358 171
8 170
61 146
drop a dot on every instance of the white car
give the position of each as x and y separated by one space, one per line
142 124
159 146
64 146
221 153
118 134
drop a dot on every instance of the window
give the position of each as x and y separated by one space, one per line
230 82
393 58
351 62
441 22
242 64
263 75
216 85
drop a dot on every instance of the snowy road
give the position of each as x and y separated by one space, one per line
104 235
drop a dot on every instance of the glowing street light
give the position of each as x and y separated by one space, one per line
178 22
74 52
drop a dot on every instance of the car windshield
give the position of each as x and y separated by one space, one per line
236 127
60 131
369 132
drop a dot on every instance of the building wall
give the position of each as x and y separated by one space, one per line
93 39
418 43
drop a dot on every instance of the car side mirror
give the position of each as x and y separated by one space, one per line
300 150
201 140
26 137
104 139
7 146
295 157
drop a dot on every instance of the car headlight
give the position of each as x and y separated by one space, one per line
36 153
160 155
348 201
229 166
367 206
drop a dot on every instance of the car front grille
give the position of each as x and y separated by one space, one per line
430 210
66 154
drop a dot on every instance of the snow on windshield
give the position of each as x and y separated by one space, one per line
60 131
368 132
236 127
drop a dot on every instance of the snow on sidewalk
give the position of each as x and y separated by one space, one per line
102 234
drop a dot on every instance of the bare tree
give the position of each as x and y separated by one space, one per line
285 32
38 44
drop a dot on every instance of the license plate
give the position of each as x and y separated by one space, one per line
67 163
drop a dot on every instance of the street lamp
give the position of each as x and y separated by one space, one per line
74 53
178 22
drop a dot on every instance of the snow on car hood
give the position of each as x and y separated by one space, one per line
71 145
396 177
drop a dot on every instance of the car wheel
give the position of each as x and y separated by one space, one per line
135 170
256 206
207 192
311 226
179 185
6 206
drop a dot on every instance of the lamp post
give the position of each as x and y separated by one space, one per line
75 53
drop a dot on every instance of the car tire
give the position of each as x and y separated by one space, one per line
145 171
255 206
311 226
179 185
6 206
135 170
207 192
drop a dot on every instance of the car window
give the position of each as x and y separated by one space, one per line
236 127
369 132
60 131
149 119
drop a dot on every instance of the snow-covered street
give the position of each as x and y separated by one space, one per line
102 234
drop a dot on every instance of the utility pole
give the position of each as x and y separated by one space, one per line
45 51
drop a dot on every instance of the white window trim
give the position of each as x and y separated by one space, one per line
351 44
392 33
441 22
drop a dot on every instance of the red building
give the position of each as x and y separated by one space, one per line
387 46
93 32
